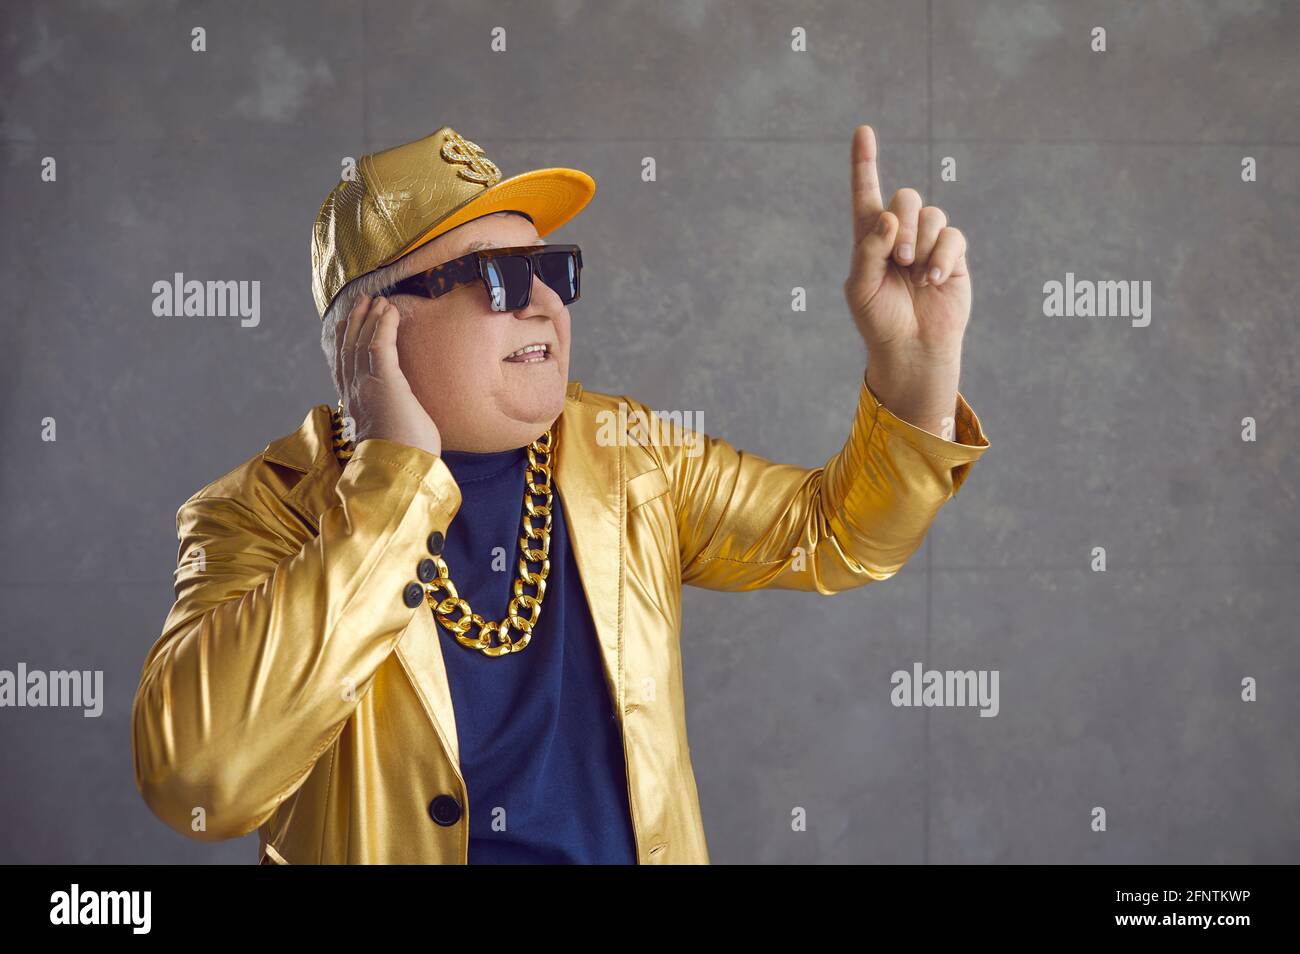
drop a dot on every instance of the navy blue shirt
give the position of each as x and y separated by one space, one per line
537 730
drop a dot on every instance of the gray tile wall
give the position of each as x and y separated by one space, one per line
1118 689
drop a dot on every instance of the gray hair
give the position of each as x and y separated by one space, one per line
369 284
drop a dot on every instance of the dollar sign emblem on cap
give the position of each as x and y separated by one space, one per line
459 150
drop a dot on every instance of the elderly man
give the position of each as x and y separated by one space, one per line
440 623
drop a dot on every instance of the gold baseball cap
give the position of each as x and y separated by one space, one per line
406 196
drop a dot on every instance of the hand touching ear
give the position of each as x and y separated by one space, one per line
370 382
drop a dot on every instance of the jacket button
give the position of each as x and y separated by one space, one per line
426 571
445 810
413 595
435 543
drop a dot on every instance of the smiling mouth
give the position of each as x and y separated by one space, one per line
537 353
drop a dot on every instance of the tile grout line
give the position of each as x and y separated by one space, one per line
929 550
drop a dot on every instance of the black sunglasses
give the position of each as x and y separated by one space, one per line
506 274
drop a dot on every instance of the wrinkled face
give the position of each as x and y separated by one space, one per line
453 349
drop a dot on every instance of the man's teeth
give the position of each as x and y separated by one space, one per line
527 349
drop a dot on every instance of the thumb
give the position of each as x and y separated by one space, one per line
871 257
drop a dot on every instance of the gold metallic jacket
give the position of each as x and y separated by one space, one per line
293 691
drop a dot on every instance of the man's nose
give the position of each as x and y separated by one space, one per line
542 298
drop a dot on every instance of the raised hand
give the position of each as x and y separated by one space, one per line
909 293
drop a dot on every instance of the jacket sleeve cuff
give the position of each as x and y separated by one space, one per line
429 470
969 440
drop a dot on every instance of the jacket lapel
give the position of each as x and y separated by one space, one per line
308 450
589 477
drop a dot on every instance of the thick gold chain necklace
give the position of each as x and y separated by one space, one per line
537 483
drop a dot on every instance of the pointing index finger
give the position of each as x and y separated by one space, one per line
868 203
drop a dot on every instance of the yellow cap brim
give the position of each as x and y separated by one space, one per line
551 197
